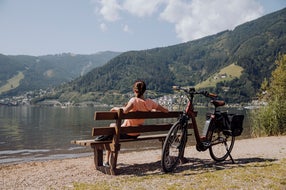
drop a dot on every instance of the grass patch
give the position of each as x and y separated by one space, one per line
226 74
12 83
259 175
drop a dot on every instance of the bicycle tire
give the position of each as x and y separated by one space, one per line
221 144
174 146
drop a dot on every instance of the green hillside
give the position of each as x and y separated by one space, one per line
253 46
226 74
40 72
12 83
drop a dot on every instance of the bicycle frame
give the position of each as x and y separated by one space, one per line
215 140
192 114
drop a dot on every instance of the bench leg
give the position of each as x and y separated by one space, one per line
98 161
98 157
113 162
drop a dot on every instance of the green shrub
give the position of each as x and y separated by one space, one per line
267 121
271 119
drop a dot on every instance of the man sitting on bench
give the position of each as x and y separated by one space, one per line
137 103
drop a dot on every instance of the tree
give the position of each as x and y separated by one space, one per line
278 83
271 119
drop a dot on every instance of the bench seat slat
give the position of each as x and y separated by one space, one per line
83 142
92 142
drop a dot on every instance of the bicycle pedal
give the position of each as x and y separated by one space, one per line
227 132
206 143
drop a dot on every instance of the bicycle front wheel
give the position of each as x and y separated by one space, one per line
221 144
174 146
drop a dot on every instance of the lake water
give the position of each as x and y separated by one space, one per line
29 133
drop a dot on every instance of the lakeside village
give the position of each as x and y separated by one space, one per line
169 101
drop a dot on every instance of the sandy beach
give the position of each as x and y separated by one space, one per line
61 174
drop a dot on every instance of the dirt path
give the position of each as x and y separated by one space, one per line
61 174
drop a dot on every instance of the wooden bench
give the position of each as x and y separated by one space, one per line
154 131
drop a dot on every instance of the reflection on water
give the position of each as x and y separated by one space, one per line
36 133
27 131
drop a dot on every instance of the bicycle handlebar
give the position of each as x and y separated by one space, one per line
192 91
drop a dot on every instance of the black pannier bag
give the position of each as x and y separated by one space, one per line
236 124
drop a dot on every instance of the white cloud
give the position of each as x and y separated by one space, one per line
192 19
175 10
103 27
195 19
142 8
126 28
109 9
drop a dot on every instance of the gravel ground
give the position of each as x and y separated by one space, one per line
61 174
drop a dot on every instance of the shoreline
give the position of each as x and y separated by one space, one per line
62 173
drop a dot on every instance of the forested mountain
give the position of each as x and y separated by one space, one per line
40 72
253 46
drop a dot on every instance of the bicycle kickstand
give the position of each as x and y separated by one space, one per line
228 152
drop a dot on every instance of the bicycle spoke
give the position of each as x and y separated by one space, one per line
173 147
221 145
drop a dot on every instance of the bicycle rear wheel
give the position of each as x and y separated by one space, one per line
221 144
174 146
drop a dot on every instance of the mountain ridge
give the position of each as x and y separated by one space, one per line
46 71
254 46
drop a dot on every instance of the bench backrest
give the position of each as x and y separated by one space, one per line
104 115
119 116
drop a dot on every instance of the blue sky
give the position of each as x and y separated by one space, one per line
41 27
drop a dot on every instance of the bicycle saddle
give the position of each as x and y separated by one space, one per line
218 103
